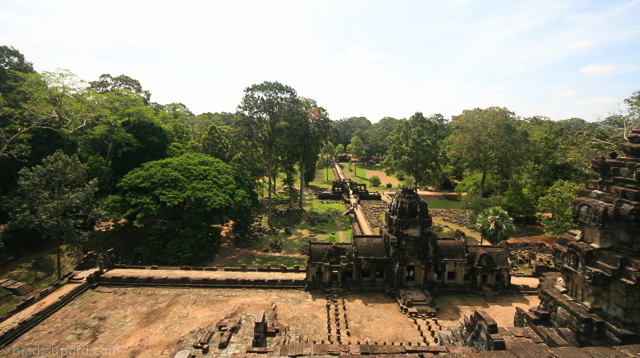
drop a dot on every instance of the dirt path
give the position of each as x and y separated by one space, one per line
340 232
540 238
384 178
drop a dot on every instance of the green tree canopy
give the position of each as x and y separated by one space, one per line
264 109
413 148
55 199
557 202
177 200
488 139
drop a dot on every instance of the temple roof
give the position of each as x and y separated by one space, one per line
499 254
451 249
318 250
369 247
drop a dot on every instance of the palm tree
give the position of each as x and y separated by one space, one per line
495 225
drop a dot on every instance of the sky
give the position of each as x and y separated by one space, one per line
375 59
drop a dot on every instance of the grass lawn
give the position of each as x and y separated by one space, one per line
257 260
337 228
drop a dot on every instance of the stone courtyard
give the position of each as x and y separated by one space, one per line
161 321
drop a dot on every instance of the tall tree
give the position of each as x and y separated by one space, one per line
347 128
413 148
106 83
377 135
115 112
328 150
264 109
313 127
486 139
357 149
216 143
55 200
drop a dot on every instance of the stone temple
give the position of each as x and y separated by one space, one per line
375 296
407 254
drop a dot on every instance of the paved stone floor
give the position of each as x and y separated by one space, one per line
38 306
160 321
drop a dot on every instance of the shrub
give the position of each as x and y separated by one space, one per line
375 181
389 185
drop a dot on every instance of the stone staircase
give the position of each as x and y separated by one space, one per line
17 287
488 294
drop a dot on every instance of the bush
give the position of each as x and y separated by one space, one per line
375 181
389 185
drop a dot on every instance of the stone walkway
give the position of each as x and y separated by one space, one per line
36 307
207 274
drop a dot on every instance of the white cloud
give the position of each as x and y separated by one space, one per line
362 54
565 93
597 70
579 44
605 99
580 18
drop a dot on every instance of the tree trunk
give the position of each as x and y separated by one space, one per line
327 168
110 150
301 206
484 176
59 265
269 191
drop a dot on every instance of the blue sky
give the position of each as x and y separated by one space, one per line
559 59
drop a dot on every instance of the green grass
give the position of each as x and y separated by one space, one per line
443 204
8 301
326 232
254 260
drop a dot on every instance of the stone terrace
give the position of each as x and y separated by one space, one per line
151 322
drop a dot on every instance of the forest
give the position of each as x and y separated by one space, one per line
75 155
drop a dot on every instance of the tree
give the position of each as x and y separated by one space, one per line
495 225
56 200
106 83
487 139
328 150
340 149
11 61
177 200
117 110
264 109
376 137
375 181
557 202
357 149
150 142
347 128
178 121
310 128
215 143
413 148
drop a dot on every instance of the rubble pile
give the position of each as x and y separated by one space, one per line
531 253
454 216
373 210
